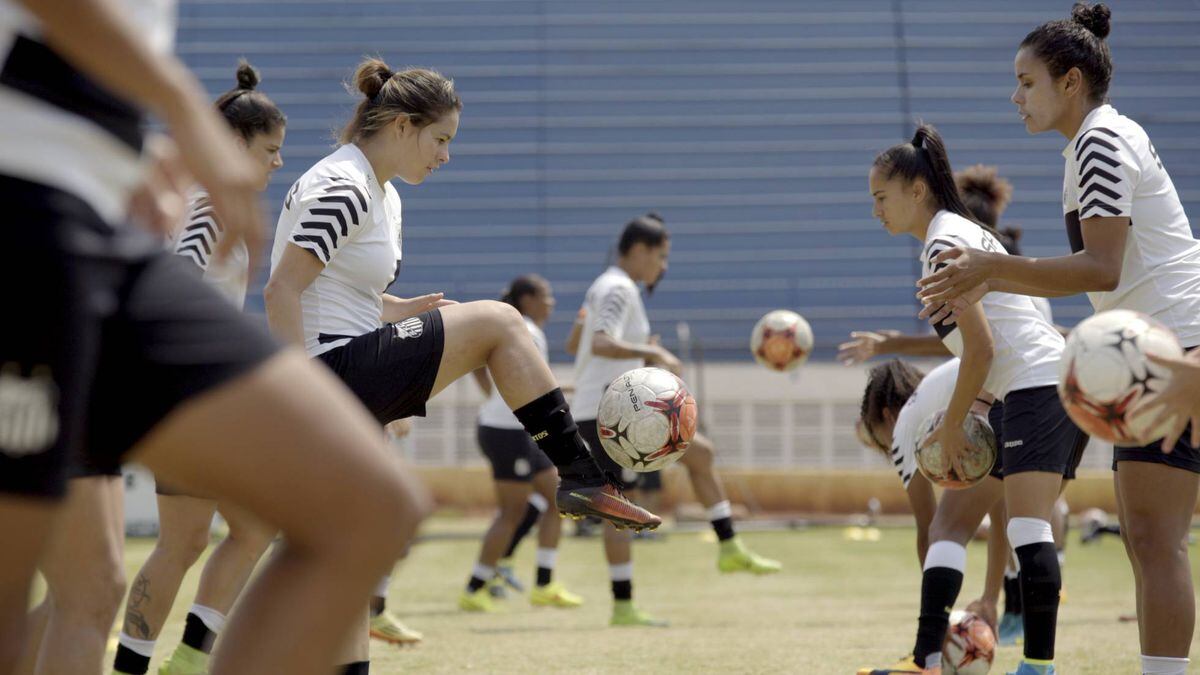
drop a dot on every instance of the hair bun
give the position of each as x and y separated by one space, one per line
1095 18
370 77
247 76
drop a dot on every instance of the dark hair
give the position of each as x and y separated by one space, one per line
1077 42
889 386
649 229
984 193
1010 239
925 157
526 284
423 96
248 111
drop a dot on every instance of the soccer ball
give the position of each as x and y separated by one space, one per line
781 340
977 463
1104 374
969 647
647 419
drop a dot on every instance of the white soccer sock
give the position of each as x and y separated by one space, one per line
1164 665
381 590
141 647
538 502
213 619
946 554
720 510
621 572
547 557
1026 531
481 571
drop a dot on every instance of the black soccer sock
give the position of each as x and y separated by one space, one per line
721 517
939 590
1012 594
622 590
549 422
378 604
130 662
197 635
480 575
1041 580
532 514
356 668
544 576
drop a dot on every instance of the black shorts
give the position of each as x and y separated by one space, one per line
996 420
1183 456
1037 434
104 334
392 370
513 454
650 480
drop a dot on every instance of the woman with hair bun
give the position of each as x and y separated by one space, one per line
1132 248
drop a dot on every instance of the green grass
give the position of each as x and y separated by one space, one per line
837 606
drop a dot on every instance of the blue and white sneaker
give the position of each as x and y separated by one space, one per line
1025 668
1012 630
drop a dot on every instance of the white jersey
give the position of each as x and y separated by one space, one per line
614 307
338 212
1112 169
197 241
1027 347
495 413
932 394
60 128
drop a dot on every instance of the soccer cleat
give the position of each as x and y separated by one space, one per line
385 626
479 601
496 588
735 557
185 660
1025 668
905 665
583 490
505 574
1012 630
554 594
625 614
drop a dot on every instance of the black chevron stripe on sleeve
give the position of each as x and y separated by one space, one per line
199 236
1102 180
331 218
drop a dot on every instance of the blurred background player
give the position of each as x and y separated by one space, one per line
131 354
185 520
1112 178
525 479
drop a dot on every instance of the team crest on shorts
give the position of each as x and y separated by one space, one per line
409 328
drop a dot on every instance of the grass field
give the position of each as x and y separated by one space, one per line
838 605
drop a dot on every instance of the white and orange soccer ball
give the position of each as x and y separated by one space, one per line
1105 374
647 419
977 462
782 340
970 645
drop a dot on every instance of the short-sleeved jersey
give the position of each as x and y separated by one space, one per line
61 128
340 214
614 306
1027 347
197 240
1112 169
495 412
932 394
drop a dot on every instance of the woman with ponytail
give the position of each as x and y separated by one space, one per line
1132 248
1008 351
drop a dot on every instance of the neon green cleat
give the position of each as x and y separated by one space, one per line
385 626
479 601
905 665
554 594
625 614
185 660
735 557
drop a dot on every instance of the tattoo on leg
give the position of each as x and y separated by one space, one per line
135 623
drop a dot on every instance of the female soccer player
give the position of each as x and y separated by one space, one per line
1132 249
1007 349
525 478
615 337
337 249
184 520
896 402
126 353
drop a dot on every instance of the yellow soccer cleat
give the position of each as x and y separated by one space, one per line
479 601
185 660
554 594
735 557
905 665
385 626
625 614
